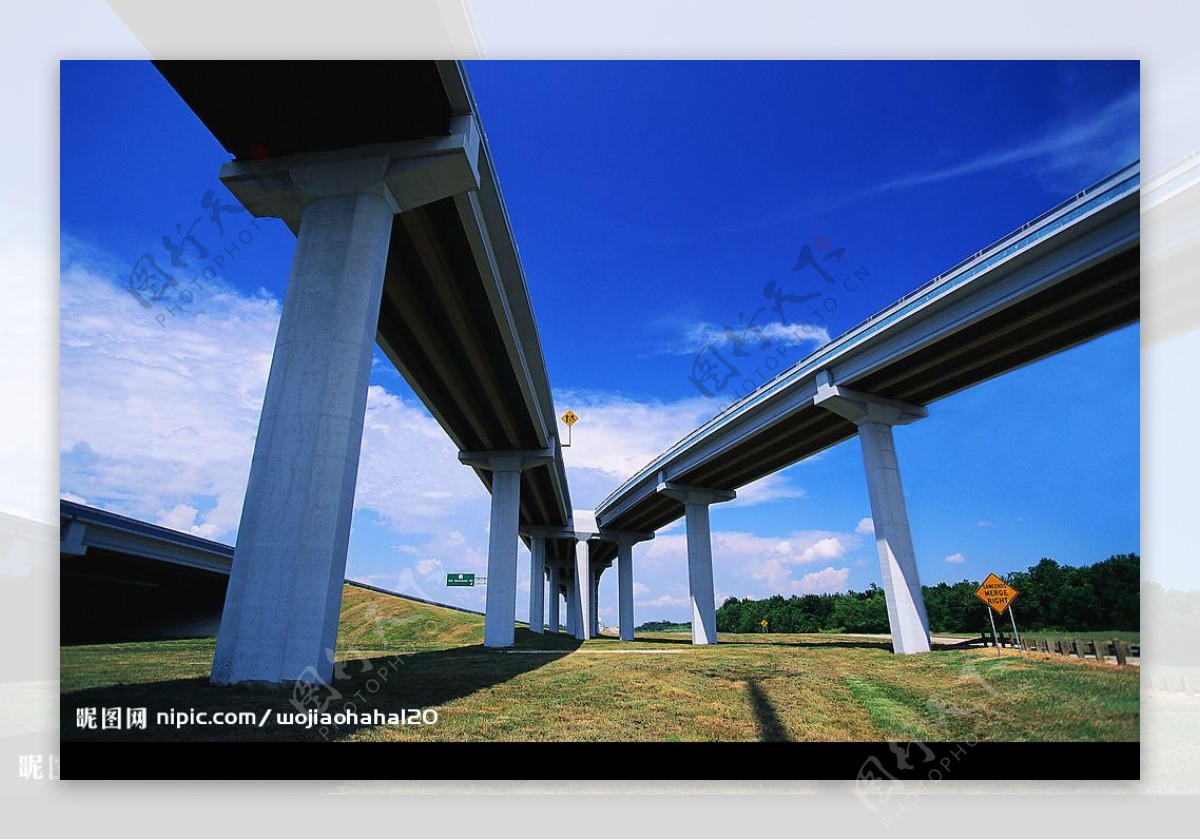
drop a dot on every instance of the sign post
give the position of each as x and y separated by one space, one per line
570 418
1013 619
764 625
998 595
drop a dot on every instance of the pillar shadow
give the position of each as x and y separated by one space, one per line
770 727
389 684
765 639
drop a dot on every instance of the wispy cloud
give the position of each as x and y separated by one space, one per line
1070 153
691 337
956 557
1101 141
769 488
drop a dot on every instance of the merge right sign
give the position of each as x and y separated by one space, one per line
996 593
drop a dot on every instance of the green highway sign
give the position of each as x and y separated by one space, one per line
460 579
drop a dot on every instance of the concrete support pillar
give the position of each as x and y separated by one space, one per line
537 584
583 591
700 575
500 603
893 539
554 598
625 588
572 598
696 501
285 588
595 609
875 417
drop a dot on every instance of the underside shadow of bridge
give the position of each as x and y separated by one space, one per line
387 682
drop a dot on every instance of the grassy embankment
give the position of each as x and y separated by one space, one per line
397 654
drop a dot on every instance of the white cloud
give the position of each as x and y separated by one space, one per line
615 437
158 422
666 601
409 472
428 566
828 579
796 548
757 342
639 589
154 417
957 557
769 488
865 526
183 518
754 565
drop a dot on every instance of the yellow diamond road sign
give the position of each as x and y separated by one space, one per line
996 593
570 418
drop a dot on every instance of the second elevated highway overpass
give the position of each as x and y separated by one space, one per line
1065 277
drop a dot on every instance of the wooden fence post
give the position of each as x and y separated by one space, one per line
1120 653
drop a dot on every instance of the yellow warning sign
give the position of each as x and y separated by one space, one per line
570 418
996 593
763 622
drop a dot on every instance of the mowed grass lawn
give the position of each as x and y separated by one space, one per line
396 654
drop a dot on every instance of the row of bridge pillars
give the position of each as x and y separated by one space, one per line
874 418
284 597
575 582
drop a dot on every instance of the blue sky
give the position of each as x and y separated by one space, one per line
652 204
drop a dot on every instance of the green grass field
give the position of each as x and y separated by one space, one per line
396 654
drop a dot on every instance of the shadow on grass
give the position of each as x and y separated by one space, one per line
765 639
770 727
389 684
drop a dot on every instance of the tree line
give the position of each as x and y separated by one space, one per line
1103 596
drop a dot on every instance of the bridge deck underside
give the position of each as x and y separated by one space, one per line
1087 304
437 326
